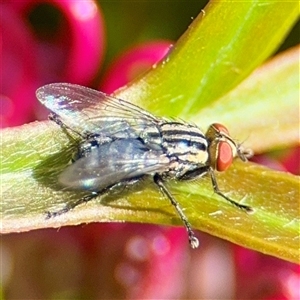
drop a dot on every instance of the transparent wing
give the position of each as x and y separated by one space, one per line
113 163
87 110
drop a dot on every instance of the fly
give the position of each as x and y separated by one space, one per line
120 143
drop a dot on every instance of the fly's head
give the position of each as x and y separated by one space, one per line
223 149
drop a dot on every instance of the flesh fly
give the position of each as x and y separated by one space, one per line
121 143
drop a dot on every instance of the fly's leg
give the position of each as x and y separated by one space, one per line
55 118
194 242
70 206
118 187
246 208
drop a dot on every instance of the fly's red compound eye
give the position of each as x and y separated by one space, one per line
222 129
224 156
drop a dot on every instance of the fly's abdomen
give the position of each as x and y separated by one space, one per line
112 163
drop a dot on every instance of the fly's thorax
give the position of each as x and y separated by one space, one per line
183 170
151 136
186 143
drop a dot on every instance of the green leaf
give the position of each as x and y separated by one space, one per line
220 49
224 44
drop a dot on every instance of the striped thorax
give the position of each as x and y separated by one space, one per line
186 145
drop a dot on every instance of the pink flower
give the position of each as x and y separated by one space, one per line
70 52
